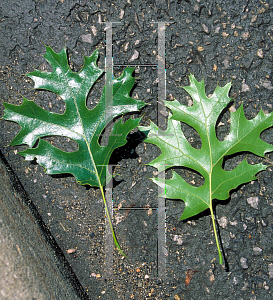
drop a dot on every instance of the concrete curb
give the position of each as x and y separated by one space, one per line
32 264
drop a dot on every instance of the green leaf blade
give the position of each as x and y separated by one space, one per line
196 198
244 136
173 141
88 163
29 115
204 110
63 81
225 181
56 161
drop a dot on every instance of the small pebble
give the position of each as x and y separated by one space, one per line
134 56
253 201
226 63
178 239
266 287
264 223
70 251
225 34
245 35
87 38
260 53
121 14
170 97
253 19
257 250
150 212
196 8
245 87
233 223
232 108
212 277
266 84
205 29
217 29
235 280
243 262
190 102
261 10
223 222
94 30
126 46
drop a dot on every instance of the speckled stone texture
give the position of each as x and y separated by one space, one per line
218 41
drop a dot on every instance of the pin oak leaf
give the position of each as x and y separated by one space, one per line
244 136
89 163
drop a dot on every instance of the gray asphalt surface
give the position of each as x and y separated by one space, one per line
218 41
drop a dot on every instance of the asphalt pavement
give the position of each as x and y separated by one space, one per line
63 255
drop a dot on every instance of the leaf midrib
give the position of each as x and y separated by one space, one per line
103 114
84 136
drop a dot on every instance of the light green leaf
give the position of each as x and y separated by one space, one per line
244 136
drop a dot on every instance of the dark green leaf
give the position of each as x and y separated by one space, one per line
88 163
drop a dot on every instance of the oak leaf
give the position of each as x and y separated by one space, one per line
176 151
89 163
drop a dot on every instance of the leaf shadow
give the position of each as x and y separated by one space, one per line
191 176
63 175
127 151
230 162
223 130
202 214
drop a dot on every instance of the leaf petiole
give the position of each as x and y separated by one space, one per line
110 223
216 237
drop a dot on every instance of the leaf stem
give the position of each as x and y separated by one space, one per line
110 223
216 237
